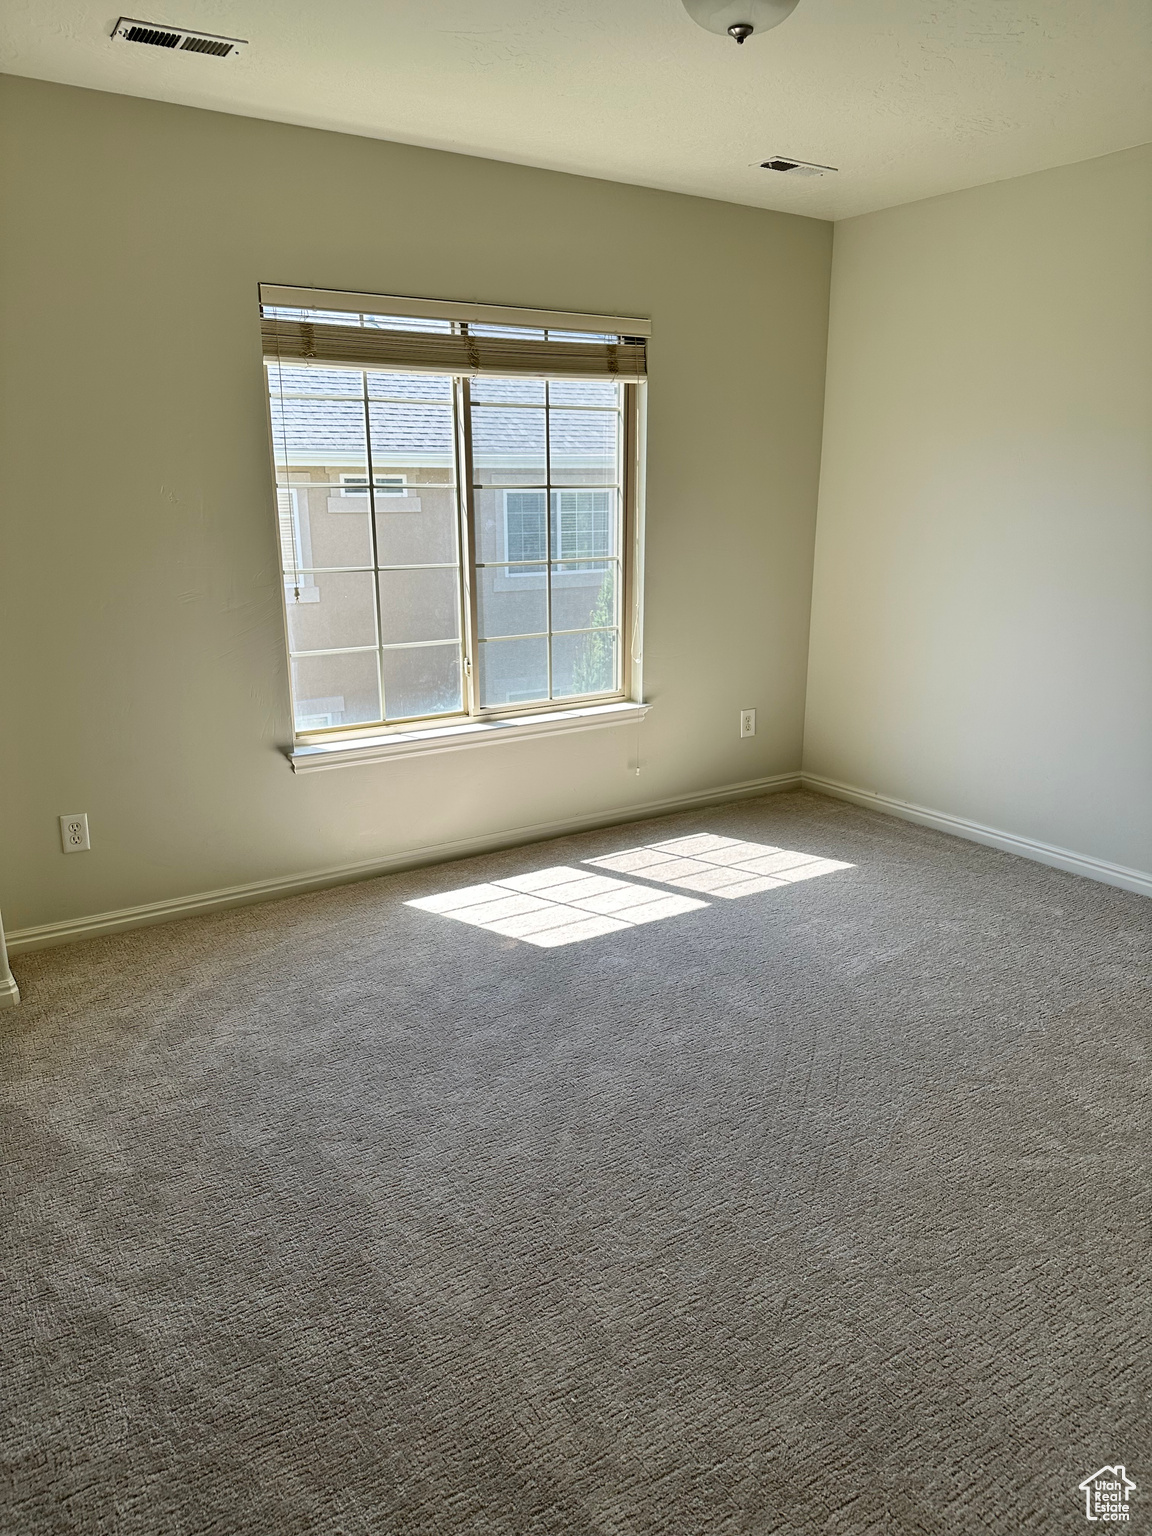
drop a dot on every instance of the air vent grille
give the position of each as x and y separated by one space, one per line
214 45
156 35
151 35
789 167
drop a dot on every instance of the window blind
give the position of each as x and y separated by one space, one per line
462 351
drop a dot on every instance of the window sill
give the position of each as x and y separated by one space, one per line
317 756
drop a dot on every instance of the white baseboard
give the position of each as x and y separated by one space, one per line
69 931
1136 880
72 929
9 992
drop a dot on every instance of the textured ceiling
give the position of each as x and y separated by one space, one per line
907 97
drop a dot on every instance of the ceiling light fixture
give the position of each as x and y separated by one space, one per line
739 19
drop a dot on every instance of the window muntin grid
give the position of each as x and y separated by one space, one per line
374 617
402 642
532 502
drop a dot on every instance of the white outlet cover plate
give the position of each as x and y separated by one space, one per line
74 833
747 722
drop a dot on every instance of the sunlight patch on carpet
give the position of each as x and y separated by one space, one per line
556 906
719 866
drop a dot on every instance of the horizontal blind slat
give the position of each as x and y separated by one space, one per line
304 341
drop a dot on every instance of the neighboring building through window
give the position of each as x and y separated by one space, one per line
415 591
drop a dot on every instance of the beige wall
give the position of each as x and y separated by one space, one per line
982 614
145 680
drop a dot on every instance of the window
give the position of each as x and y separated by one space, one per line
295 548
525 536
583 525
456 506
386 485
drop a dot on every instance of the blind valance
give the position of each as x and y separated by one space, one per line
460 352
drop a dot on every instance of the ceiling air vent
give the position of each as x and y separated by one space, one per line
790 167
176 39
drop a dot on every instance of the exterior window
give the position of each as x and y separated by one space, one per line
525 526
451 545
386 485
583 524
295 548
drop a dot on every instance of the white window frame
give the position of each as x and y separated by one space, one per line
330 746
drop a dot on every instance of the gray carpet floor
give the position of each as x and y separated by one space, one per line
820 1209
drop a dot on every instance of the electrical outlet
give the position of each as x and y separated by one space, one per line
747 722
74 833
